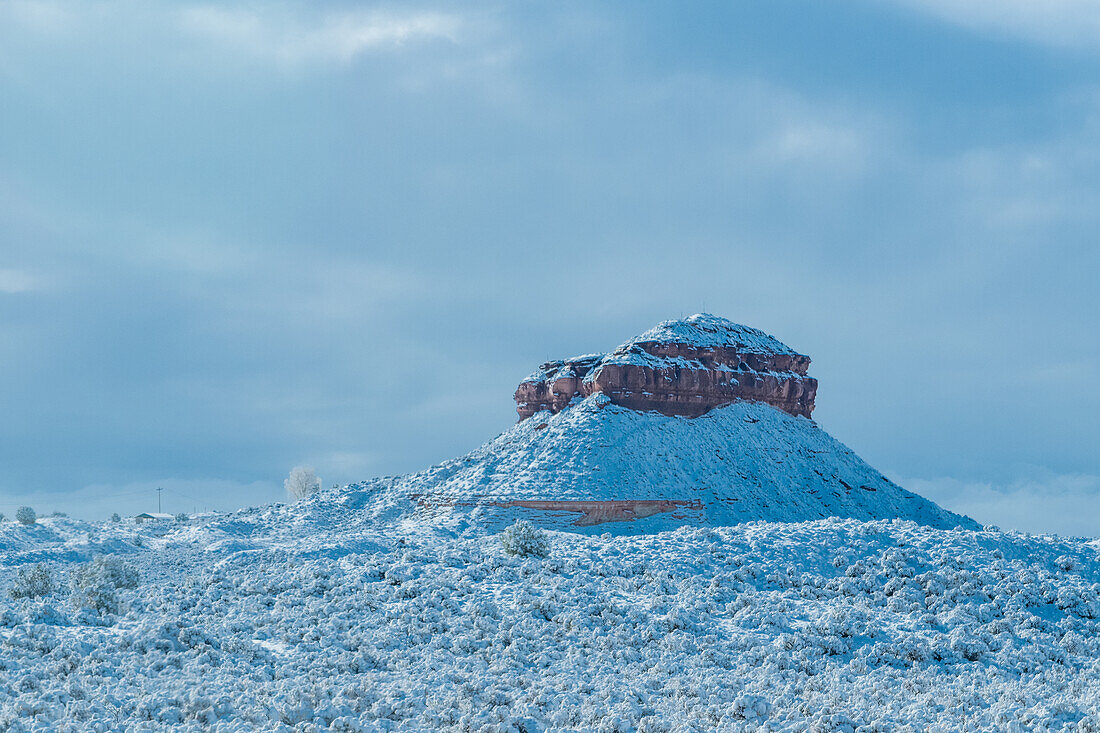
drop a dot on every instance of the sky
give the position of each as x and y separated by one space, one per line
240 237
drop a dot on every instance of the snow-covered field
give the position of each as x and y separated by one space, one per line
301 618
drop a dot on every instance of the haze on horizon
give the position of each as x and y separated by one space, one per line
237 238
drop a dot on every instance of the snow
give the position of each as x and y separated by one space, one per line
419 603
287 618
700 331
744 461
635 356
704 330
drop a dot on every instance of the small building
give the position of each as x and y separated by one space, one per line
147 516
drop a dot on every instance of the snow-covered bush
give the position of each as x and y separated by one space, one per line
182 517
35 581
94 584
301 482
1066 563
524 539
26 515
115 518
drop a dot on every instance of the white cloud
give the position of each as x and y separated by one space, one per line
1068 23
807 141
270 32
41 15
1066 504
16 281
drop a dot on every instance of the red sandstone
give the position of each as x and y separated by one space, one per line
686 368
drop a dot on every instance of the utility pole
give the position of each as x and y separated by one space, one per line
159 490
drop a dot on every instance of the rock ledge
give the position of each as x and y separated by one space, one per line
685 367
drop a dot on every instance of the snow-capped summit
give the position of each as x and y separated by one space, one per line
683 367
704 330
699 421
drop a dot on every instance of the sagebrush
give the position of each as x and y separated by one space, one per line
525 540
35 581
95 585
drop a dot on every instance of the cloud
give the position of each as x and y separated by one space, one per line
1065 23
292 38
16 281
1065 504
42 15
807 142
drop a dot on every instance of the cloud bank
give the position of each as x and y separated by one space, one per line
1059 504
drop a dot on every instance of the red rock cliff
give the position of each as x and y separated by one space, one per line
684 367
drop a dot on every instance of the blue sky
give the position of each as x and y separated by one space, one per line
236 238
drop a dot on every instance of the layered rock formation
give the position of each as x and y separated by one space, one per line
684 367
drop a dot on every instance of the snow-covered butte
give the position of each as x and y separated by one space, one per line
699 421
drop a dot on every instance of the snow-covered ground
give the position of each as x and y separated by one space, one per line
306 617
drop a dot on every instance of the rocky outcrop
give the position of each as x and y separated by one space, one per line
581 513
684 367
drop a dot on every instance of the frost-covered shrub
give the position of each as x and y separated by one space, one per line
182 517
525 540
95 584
752 708
26 515
301 482
1066 563
115 518
35 581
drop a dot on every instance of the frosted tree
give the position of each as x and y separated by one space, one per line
26 515
301 482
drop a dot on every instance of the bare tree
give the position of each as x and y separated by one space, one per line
301 482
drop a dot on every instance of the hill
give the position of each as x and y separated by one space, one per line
699 421
745 461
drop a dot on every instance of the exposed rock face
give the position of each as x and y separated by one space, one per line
587 513
684 367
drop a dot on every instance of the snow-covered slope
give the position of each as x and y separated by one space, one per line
704 330
745 461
